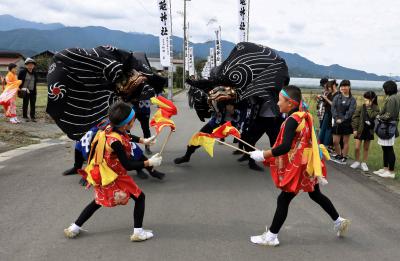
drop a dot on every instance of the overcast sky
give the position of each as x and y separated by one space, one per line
358 34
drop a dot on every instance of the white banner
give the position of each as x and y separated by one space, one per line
165 29
212 58
218 47
187 48
191 62
243 15
205 73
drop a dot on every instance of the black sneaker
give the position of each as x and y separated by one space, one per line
243 158
141 174
181 160
343 161
71 171
33 119
253 165
147 150
237 152
157 174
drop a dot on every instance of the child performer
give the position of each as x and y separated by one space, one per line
287 166
116 155
9 95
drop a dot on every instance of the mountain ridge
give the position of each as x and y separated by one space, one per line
56 37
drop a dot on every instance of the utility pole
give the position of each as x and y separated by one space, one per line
184 43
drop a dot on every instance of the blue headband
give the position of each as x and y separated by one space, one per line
127 119
303 106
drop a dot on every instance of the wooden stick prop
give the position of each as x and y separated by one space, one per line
233 147
251 146
165 142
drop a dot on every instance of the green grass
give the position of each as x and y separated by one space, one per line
375 158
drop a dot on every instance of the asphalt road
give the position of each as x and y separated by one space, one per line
203 210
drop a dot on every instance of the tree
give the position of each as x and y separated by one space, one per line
198 65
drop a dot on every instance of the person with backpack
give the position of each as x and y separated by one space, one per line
107 172
363 128
389 114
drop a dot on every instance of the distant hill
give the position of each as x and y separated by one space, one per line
8 22
33 38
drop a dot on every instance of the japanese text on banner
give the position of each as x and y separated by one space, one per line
243 15
165 29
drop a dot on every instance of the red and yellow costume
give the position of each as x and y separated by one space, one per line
8 97
300 168
118 192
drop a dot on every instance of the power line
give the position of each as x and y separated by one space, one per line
147 11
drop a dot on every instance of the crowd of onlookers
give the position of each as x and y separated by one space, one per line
340 117
20 84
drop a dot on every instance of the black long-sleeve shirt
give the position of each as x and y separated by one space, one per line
288 136
127 163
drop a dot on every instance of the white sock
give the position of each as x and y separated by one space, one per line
74 228
338 220
271 236
137 230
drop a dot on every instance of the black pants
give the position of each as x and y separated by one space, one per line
284 200
259 126
389 158
79 160
144 123
138 211
208 128
29 98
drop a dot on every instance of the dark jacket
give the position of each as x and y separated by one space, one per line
358 121
21 76
390 110
343 108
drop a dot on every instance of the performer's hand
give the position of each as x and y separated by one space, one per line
155 160
150 141
257 155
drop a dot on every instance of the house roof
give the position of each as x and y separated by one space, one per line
7 61
46 53
11 54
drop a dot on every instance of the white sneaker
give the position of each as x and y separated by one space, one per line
264 240
342 227
355 165
72 231
364 167
378 172
387 174
142 236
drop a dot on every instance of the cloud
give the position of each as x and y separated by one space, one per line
347 32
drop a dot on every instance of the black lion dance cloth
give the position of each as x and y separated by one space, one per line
83 83
254 72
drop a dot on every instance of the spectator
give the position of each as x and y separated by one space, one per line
320 101
325 133
343 107
389 112
8 97
363 127
28 77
